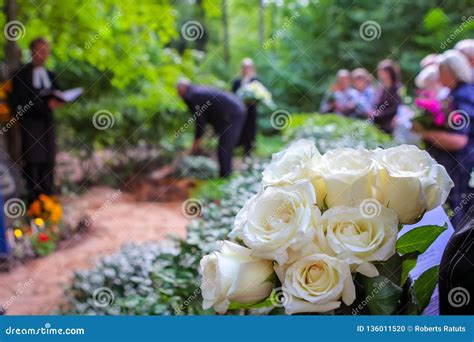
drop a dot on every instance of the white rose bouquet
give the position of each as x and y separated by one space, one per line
256 92
322 234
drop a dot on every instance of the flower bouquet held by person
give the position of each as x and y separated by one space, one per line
255 92
429 112
321 236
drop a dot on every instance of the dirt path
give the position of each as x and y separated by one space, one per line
37 287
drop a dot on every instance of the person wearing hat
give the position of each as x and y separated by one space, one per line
249 132
224 111
466 47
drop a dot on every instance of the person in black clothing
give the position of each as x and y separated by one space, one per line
388 98
222 110
249 132
456 270
36 120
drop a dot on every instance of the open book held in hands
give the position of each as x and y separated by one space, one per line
63 96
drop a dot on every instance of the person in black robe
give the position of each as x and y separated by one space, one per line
224 111
249 132
35 115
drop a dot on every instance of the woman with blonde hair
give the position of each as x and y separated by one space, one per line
454 147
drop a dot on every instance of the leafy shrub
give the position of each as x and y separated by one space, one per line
331 131
197 167
152 279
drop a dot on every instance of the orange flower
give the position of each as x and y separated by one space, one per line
35 209
56 213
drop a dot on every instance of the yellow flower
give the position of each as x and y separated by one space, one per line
39 222
18 233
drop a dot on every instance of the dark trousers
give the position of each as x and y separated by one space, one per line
39 179
228 140
249 131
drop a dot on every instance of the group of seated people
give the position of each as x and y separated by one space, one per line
354 94
357 94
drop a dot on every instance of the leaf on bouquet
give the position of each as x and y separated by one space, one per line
407 266
391 268
382 295
267 302
419 239
425 285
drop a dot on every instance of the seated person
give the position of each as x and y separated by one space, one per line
341 99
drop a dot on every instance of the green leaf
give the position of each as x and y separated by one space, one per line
267 302
382 295
407 266
419 239
425 285
391 268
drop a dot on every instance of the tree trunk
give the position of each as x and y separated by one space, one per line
201 43
261 23
11 48
225 24
11 142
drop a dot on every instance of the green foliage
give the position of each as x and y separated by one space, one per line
384 295
419 239
151 279
197 167
42 247
331 131
424 287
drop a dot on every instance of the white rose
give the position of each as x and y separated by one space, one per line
232 274
296 162
411 182
360 234
348 175
278 219
316 283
